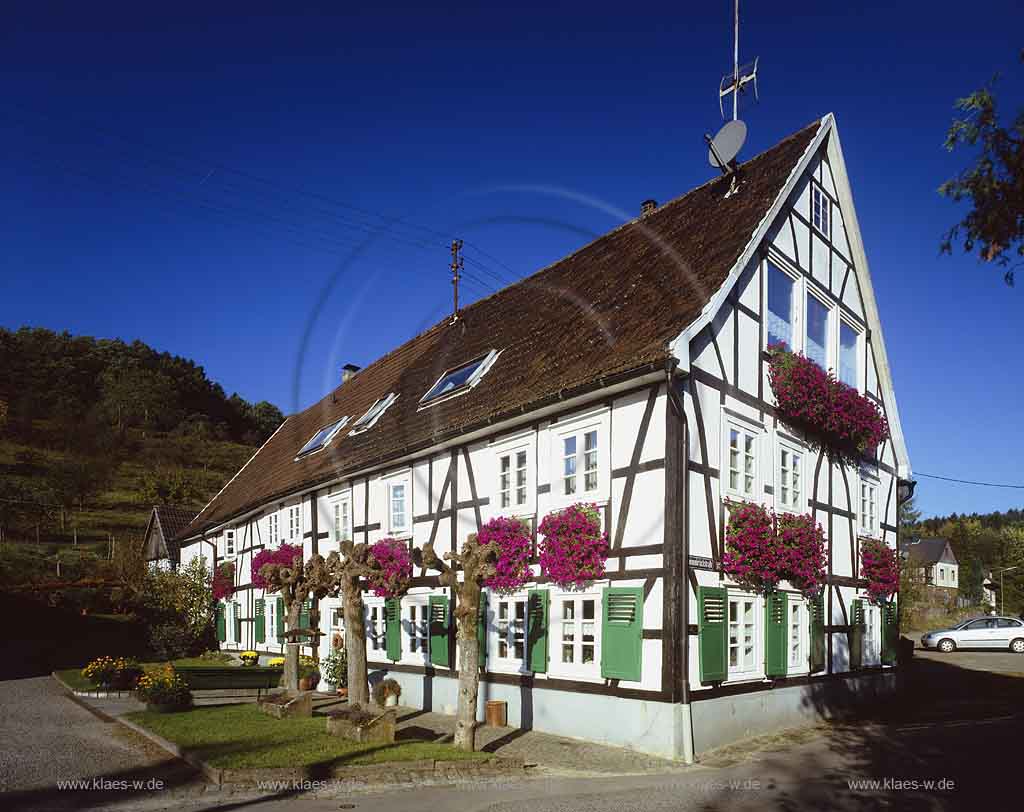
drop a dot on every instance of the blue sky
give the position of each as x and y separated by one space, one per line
272 193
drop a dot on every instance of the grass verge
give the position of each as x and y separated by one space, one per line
72 677
241 737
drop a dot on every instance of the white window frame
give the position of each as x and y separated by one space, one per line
509 664
376 628
334 427
578 427
860 383
389 483
872 634
229 543
270 619
294 526
796 305
755 669
784 444
797 658
586 672
415 641
230 614
871 482
757 433
273 528
485 363
341 506
831 330
821 219
373 414
510 447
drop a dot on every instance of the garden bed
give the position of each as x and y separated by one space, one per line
232 737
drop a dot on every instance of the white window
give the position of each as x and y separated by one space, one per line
820 210
229 543
273 528
230 614
868 508
872 631
580 457
373 414
512 470
338 618
322 437
375 627
818 315
952 576
743 637
508 646
342 519
270 605
417 628
460 379
798 635
398 493
741 444
574 480
780 307
849 353
790 482
942 575
295 523
576 624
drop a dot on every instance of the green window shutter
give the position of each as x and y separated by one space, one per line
711 632
238 624
856 634
817 610
222 629
622 632
280 620
440 630
776 608
393 627
260 626
537 630
481 632
890 633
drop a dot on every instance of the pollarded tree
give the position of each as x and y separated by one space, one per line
497 557
387 569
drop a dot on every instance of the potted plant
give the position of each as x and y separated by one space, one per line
386 693
334 669
309 674
249 658
163 690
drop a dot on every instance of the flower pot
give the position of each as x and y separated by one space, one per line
391 701
343 692
306 684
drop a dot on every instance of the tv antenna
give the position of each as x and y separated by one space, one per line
456 267
741 76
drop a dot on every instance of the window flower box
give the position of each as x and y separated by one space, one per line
846 424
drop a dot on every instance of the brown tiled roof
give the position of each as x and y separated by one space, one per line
608 309
173 520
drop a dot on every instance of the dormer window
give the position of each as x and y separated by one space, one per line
374 413
460 379
322 437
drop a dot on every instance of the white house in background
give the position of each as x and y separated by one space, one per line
935 560
632 375
166 522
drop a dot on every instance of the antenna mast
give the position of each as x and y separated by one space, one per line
741 75
456 267
736 60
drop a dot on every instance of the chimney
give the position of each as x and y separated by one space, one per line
647 207
348 372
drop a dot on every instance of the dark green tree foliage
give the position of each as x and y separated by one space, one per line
91 390
993 184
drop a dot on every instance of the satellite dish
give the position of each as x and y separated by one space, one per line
724 147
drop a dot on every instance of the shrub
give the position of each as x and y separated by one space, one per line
120 673
844 422
163 686
392 568
172 640
512 566
573 550
879 567
334 668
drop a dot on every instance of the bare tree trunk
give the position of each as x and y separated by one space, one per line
355 642
469 666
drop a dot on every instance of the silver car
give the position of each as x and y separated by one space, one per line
982 632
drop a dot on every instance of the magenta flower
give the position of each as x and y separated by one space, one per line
878 566
224 581
393 569
287 555
573 551
513 563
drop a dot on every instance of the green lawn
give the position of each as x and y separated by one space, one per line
74 679
240 736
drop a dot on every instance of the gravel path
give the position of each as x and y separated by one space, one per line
47 738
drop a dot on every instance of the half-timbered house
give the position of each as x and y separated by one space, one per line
632 374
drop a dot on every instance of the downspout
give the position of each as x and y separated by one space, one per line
681 691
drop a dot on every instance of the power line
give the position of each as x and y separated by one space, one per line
970 481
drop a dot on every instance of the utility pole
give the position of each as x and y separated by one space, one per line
456 267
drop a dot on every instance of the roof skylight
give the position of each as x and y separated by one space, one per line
459 379
374 413
322 437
